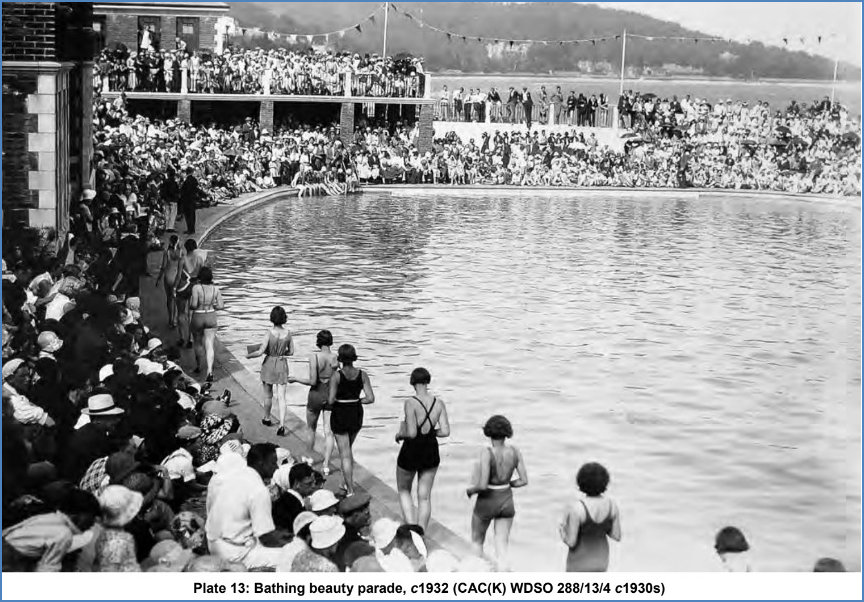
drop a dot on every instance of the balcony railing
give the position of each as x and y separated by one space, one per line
489 112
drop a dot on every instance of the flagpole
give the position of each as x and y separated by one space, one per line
834 82
623 54
386 14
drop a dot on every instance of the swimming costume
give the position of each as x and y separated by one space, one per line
318 396
205 315
497 500
347 416
274 370
421 452
591 552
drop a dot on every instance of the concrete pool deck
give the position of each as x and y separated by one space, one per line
245 386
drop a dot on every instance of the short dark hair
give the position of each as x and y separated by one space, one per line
324 338
190 244
347 354
730 539
299 472
592 479
498 427
420 376
78 501
259 452
829 565
278 316
205 275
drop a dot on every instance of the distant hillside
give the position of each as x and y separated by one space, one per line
551 21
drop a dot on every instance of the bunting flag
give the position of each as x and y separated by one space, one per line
292 38
308 37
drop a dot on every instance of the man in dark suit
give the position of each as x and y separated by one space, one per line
513 99
189 193
301 479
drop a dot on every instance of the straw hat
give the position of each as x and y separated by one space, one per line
119 505
321 500
101 404
326 531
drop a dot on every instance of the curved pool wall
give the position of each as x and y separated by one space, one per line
383 493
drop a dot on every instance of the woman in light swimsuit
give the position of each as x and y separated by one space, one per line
494 488
193 260
346 418
168 275
590 522
322 364
278 345
425 421
206 299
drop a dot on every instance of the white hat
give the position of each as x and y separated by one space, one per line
106 372
152 344
322 500
49 342
303 519
119 505
147 367
11 366
281 477
326 531
179 465
283 456
383 532
88 194
101 404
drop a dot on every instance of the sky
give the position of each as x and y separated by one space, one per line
838 22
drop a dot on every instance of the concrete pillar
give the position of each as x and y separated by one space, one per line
488 112
265 115
427 132
86 123
346 123
551 113
427 88
184 80
184 110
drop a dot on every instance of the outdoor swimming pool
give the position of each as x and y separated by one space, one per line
707 352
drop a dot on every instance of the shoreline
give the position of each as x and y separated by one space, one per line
695 79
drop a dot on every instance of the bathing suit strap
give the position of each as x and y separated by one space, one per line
428 414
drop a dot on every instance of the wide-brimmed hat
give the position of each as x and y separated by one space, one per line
322 500
170 556
119 505
326 531
383 532
10 366
106 372
49 342
303 519
101 404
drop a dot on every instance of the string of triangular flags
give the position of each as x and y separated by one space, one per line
294 38
451 35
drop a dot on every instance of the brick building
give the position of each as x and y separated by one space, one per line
194 22
47 110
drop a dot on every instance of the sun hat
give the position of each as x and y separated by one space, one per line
179 465
303 519
88 194
153 344
49 342
106 372
321 500
101 404
326 531
11 366
170 556
119 505
384 531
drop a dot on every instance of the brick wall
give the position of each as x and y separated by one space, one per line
17 161
346 123
29 31
207 33
427 132
265 115
123 28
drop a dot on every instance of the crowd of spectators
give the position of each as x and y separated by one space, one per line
257 71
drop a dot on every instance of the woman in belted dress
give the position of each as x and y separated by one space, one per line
277 346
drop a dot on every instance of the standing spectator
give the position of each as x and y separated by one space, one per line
527 105
558 101
513 99
189 193
170 194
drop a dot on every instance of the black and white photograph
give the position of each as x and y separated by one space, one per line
431 287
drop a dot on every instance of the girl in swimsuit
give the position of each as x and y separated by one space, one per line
193 259
494 489
425 421
322 364
205 300
346 419
589 523
277 346
168 275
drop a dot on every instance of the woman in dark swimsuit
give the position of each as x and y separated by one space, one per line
346 418
494 488
425 421
590 522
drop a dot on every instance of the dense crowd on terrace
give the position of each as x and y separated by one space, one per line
257 71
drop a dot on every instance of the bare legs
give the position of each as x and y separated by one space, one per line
268 403
344 442
183 326
198 348
281 393
503 526
329 442
171 305
209 352
404 482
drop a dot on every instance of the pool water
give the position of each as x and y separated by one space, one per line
707 352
